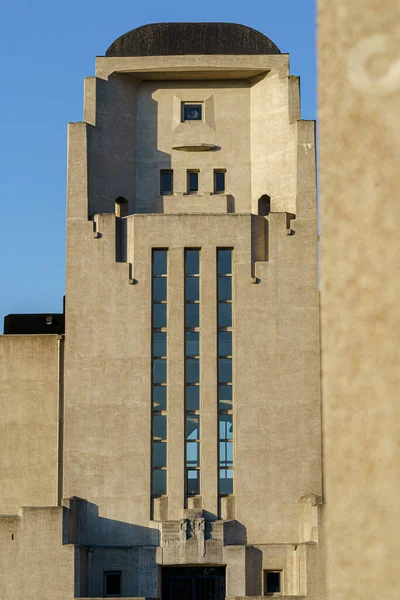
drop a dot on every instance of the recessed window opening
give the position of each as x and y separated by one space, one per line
192 111
112 584
219 181
159 372
264 205
166 182
192 182
121 207
272 583
192 371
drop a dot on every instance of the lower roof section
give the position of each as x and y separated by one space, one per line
34 324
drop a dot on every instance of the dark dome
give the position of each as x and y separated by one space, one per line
164 39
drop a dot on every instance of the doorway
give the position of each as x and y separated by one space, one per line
193 583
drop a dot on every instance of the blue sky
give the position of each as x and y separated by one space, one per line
46 50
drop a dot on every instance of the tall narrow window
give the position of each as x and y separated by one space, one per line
159 373
219 181
192 371
225 378
166 182
192 182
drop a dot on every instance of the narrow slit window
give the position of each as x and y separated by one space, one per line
166 182
192 370
225 371
219 181
192 182
159 343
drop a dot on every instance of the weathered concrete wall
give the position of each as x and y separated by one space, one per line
276 364
276 370
110 106
33 562
29 421
226 125
138 566
275 106
359 96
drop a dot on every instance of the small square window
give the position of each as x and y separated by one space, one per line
192 111
219 181
272 583
166 182
192 182
112 584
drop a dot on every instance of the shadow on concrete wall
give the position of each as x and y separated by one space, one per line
84 526
149 164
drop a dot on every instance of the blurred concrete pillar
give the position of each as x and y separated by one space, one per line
359 118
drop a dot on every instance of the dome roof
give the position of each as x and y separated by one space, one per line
165 39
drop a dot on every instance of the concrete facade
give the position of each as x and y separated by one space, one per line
359 95
85 399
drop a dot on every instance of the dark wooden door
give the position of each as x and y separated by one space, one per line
193 583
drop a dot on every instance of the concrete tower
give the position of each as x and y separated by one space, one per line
168 445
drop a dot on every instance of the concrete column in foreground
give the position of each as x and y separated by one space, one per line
359 95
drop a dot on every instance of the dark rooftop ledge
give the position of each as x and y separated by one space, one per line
34 324
166 39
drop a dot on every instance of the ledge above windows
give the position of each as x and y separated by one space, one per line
194 203
192 147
